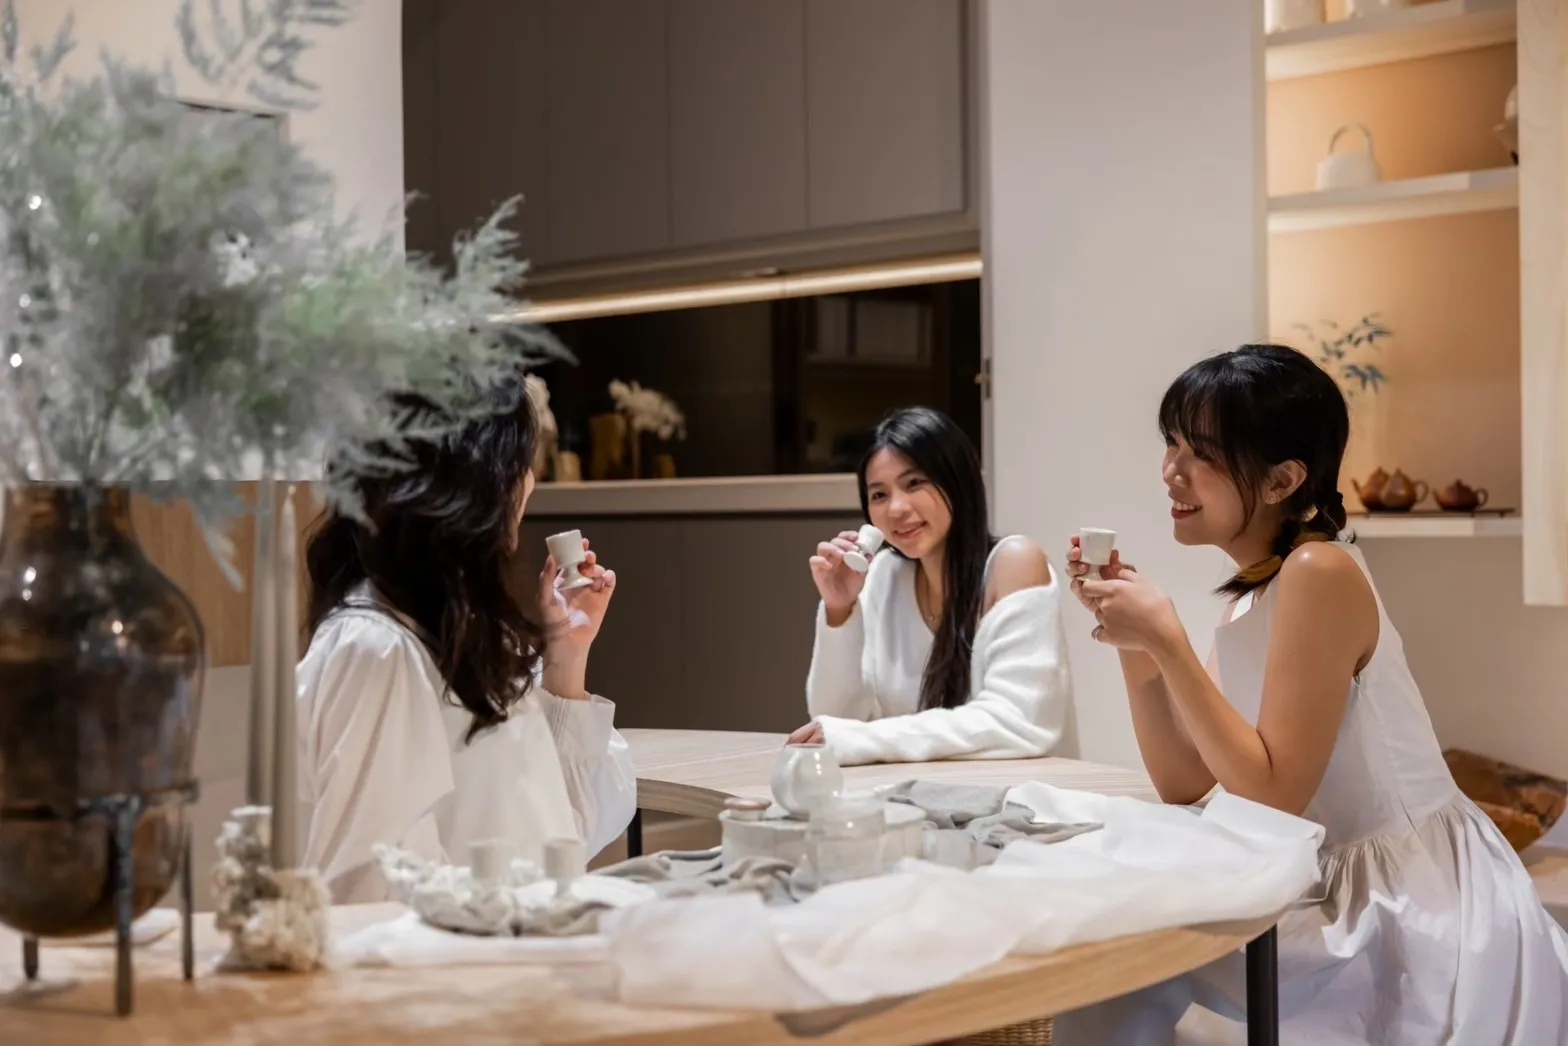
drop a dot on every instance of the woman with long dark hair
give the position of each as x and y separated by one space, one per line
951 645
1426 928
434 711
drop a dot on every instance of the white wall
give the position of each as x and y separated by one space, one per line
356 129
1123 238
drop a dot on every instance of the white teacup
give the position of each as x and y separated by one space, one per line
1095 546
867 542
567 548
490 860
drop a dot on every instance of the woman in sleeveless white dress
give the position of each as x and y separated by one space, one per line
951 645
1426 928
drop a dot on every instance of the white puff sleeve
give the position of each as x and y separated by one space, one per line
597 764
374 751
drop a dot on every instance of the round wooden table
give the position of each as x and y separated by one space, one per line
692 772
685 772
73 1002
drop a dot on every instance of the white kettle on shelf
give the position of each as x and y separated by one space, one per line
1352 169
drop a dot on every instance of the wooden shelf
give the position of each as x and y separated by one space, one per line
1464 192
1393 525
1415 32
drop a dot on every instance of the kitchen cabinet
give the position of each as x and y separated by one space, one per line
670 140
606 143
884 105
737 123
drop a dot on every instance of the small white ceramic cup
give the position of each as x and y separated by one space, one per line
490 860
867 542
567 548
565 861
1095 546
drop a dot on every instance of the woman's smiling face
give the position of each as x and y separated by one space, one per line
905 505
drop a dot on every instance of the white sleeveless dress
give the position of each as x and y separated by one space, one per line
1426 929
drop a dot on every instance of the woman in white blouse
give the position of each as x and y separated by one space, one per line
433 712
951 646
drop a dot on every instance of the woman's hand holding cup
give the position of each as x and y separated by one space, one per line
837 582
1080 570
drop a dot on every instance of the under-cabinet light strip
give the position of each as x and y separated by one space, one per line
762 288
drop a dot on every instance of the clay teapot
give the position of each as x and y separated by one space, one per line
1401 493
1371 492
1459 498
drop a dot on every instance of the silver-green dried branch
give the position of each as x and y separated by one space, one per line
180 307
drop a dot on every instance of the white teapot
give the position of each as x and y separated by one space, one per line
1348 170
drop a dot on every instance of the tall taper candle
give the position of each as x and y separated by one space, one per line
285 739
258 765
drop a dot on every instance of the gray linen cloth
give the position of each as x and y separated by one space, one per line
673 873
966 826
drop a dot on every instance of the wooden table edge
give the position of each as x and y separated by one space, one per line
1000 995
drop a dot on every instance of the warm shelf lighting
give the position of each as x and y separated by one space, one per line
945 269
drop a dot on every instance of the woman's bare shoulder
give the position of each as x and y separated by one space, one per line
1016 564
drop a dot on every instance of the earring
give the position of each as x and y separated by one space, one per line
1270 498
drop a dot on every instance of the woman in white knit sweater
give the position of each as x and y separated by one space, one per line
951 646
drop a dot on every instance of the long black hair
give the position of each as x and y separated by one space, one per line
938 448
439 550
1251 409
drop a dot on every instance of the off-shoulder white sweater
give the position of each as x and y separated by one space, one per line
864 684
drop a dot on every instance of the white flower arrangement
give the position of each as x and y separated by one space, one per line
539 393
648 410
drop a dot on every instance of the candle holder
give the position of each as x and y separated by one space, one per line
122 811
276 918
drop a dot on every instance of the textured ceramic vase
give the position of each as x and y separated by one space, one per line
101 666
805 774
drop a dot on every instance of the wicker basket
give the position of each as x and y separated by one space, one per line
1029 1033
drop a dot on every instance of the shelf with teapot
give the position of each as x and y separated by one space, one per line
1392 509
1434 525
1462 192
1301 43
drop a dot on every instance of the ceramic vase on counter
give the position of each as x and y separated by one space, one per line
804 776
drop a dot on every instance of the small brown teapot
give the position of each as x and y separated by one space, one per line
1459 498
1371 492
1401 493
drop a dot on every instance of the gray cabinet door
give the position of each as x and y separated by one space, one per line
884 109
607 129
474 118
737 119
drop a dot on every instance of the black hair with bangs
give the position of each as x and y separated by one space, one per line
1251 409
